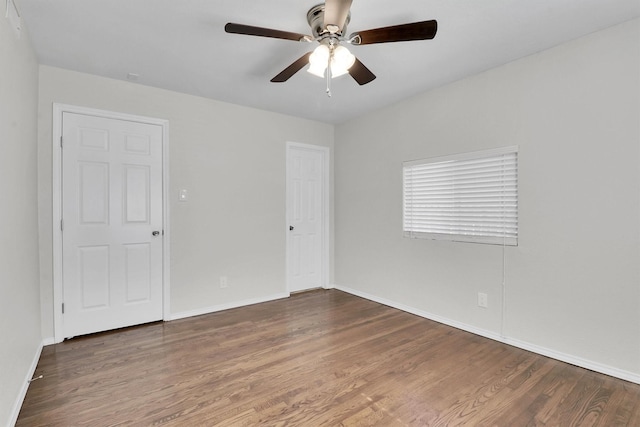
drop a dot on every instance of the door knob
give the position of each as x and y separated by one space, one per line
155 233
291 228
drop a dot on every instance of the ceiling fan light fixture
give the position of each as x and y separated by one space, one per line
338 58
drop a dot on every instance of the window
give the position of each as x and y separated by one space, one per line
471 197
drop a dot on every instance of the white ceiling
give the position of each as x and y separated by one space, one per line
181 45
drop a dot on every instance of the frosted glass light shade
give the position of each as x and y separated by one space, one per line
341 61
319 60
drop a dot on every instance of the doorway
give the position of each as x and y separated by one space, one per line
307 216
110 235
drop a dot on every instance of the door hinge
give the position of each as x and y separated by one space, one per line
62 308
60 141
61 225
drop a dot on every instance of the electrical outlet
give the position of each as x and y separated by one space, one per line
223 282
483 300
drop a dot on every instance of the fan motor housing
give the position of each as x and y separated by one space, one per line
315 18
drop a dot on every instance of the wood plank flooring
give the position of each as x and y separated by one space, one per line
322 358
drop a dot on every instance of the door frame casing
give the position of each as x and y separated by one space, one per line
58 111
325 223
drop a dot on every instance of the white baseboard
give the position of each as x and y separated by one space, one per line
23 392
227 306
563 357
48 341
574 360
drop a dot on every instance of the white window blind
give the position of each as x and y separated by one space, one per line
471 197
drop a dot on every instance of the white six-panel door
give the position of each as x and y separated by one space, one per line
112 223
306 242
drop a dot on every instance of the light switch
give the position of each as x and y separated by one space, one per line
184 195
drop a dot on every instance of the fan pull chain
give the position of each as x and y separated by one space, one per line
329 75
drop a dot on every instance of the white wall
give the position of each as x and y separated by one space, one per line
231 159
19 290
572 285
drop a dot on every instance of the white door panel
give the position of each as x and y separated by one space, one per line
305 208
111 204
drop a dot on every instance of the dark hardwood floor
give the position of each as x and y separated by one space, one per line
322 358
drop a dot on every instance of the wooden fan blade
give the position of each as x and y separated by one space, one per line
360 73
292 69
264 32
336 12
424 30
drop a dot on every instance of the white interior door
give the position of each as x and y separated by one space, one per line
111 223
307 217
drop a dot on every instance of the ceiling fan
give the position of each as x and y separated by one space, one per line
328 23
